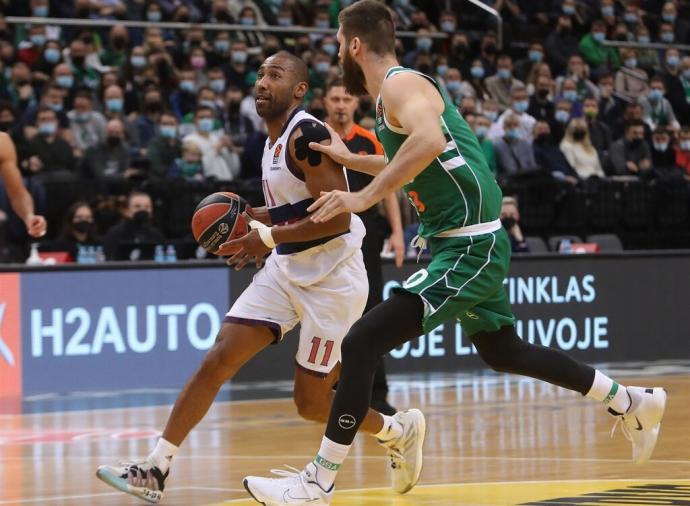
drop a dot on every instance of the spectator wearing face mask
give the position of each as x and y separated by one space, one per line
86 125
423 45
481 129
673 73
683 151
594 52
501 84
510 219
541 104
656 109
115 54
678 27
219 157
577 74
568 92
189 166
549 157
114 108
476 80
663 154
165 147
518 109
134 227
78 230
631 155
561 44
514 154
562 113
631 81
53 98
235 124
535 55
110 159
48 156
579 151
610 107
250 15
236 69
184 100
456 87
43 68
599 132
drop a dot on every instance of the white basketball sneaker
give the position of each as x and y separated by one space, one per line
642 421
405 452
140 479
295 488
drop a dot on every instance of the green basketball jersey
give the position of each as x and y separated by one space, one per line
458 189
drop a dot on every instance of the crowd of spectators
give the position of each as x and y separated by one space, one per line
110 103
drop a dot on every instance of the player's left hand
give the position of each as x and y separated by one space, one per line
246 249
331 204
396 244
36 225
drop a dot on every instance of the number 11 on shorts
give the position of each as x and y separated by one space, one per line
315 345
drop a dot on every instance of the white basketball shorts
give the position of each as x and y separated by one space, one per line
326 309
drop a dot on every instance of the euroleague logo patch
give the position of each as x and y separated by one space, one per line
276 153
223 228
379 113
346 421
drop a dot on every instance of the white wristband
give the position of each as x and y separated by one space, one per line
264 233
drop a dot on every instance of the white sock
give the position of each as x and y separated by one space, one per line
391 429
329 459
163 454
613 395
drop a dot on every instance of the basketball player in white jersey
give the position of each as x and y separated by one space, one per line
314 275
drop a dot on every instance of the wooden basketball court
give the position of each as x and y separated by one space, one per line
492 440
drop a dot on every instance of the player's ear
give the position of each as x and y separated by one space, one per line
301 90
355 45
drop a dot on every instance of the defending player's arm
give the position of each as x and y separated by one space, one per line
338 152
321 174
20 198
417 112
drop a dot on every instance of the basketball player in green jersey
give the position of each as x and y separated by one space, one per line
431 151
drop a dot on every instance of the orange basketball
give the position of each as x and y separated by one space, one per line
218 219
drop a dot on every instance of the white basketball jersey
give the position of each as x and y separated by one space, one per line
287 198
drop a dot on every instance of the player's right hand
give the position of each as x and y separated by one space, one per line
36 226
336 150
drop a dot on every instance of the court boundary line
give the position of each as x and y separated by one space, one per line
479 483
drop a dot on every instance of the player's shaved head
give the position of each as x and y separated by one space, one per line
281 83
291 63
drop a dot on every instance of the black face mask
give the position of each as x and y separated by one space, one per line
113 141
542 94
490 48
141 218
222 16
425 68
579 134
508 222
233 107
6 126
635 143
83 12
318 113
119 43
82 226
566 30
270 51
78 60
460 49
543 139
153 106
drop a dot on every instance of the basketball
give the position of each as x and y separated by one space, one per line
218 219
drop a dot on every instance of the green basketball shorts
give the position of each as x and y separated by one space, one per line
464 282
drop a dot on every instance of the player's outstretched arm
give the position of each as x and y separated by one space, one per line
338 152
414 105
19 197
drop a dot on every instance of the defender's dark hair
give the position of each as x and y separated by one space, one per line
372 22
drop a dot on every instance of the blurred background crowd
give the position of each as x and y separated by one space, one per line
586 135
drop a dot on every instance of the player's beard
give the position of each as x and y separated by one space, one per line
353 76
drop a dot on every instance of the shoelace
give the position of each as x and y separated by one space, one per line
296 475
139 474
419 243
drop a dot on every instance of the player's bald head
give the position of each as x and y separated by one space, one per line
294 65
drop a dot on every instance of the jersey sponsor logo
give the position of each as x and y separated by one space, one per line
276 155
379 114
346 421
